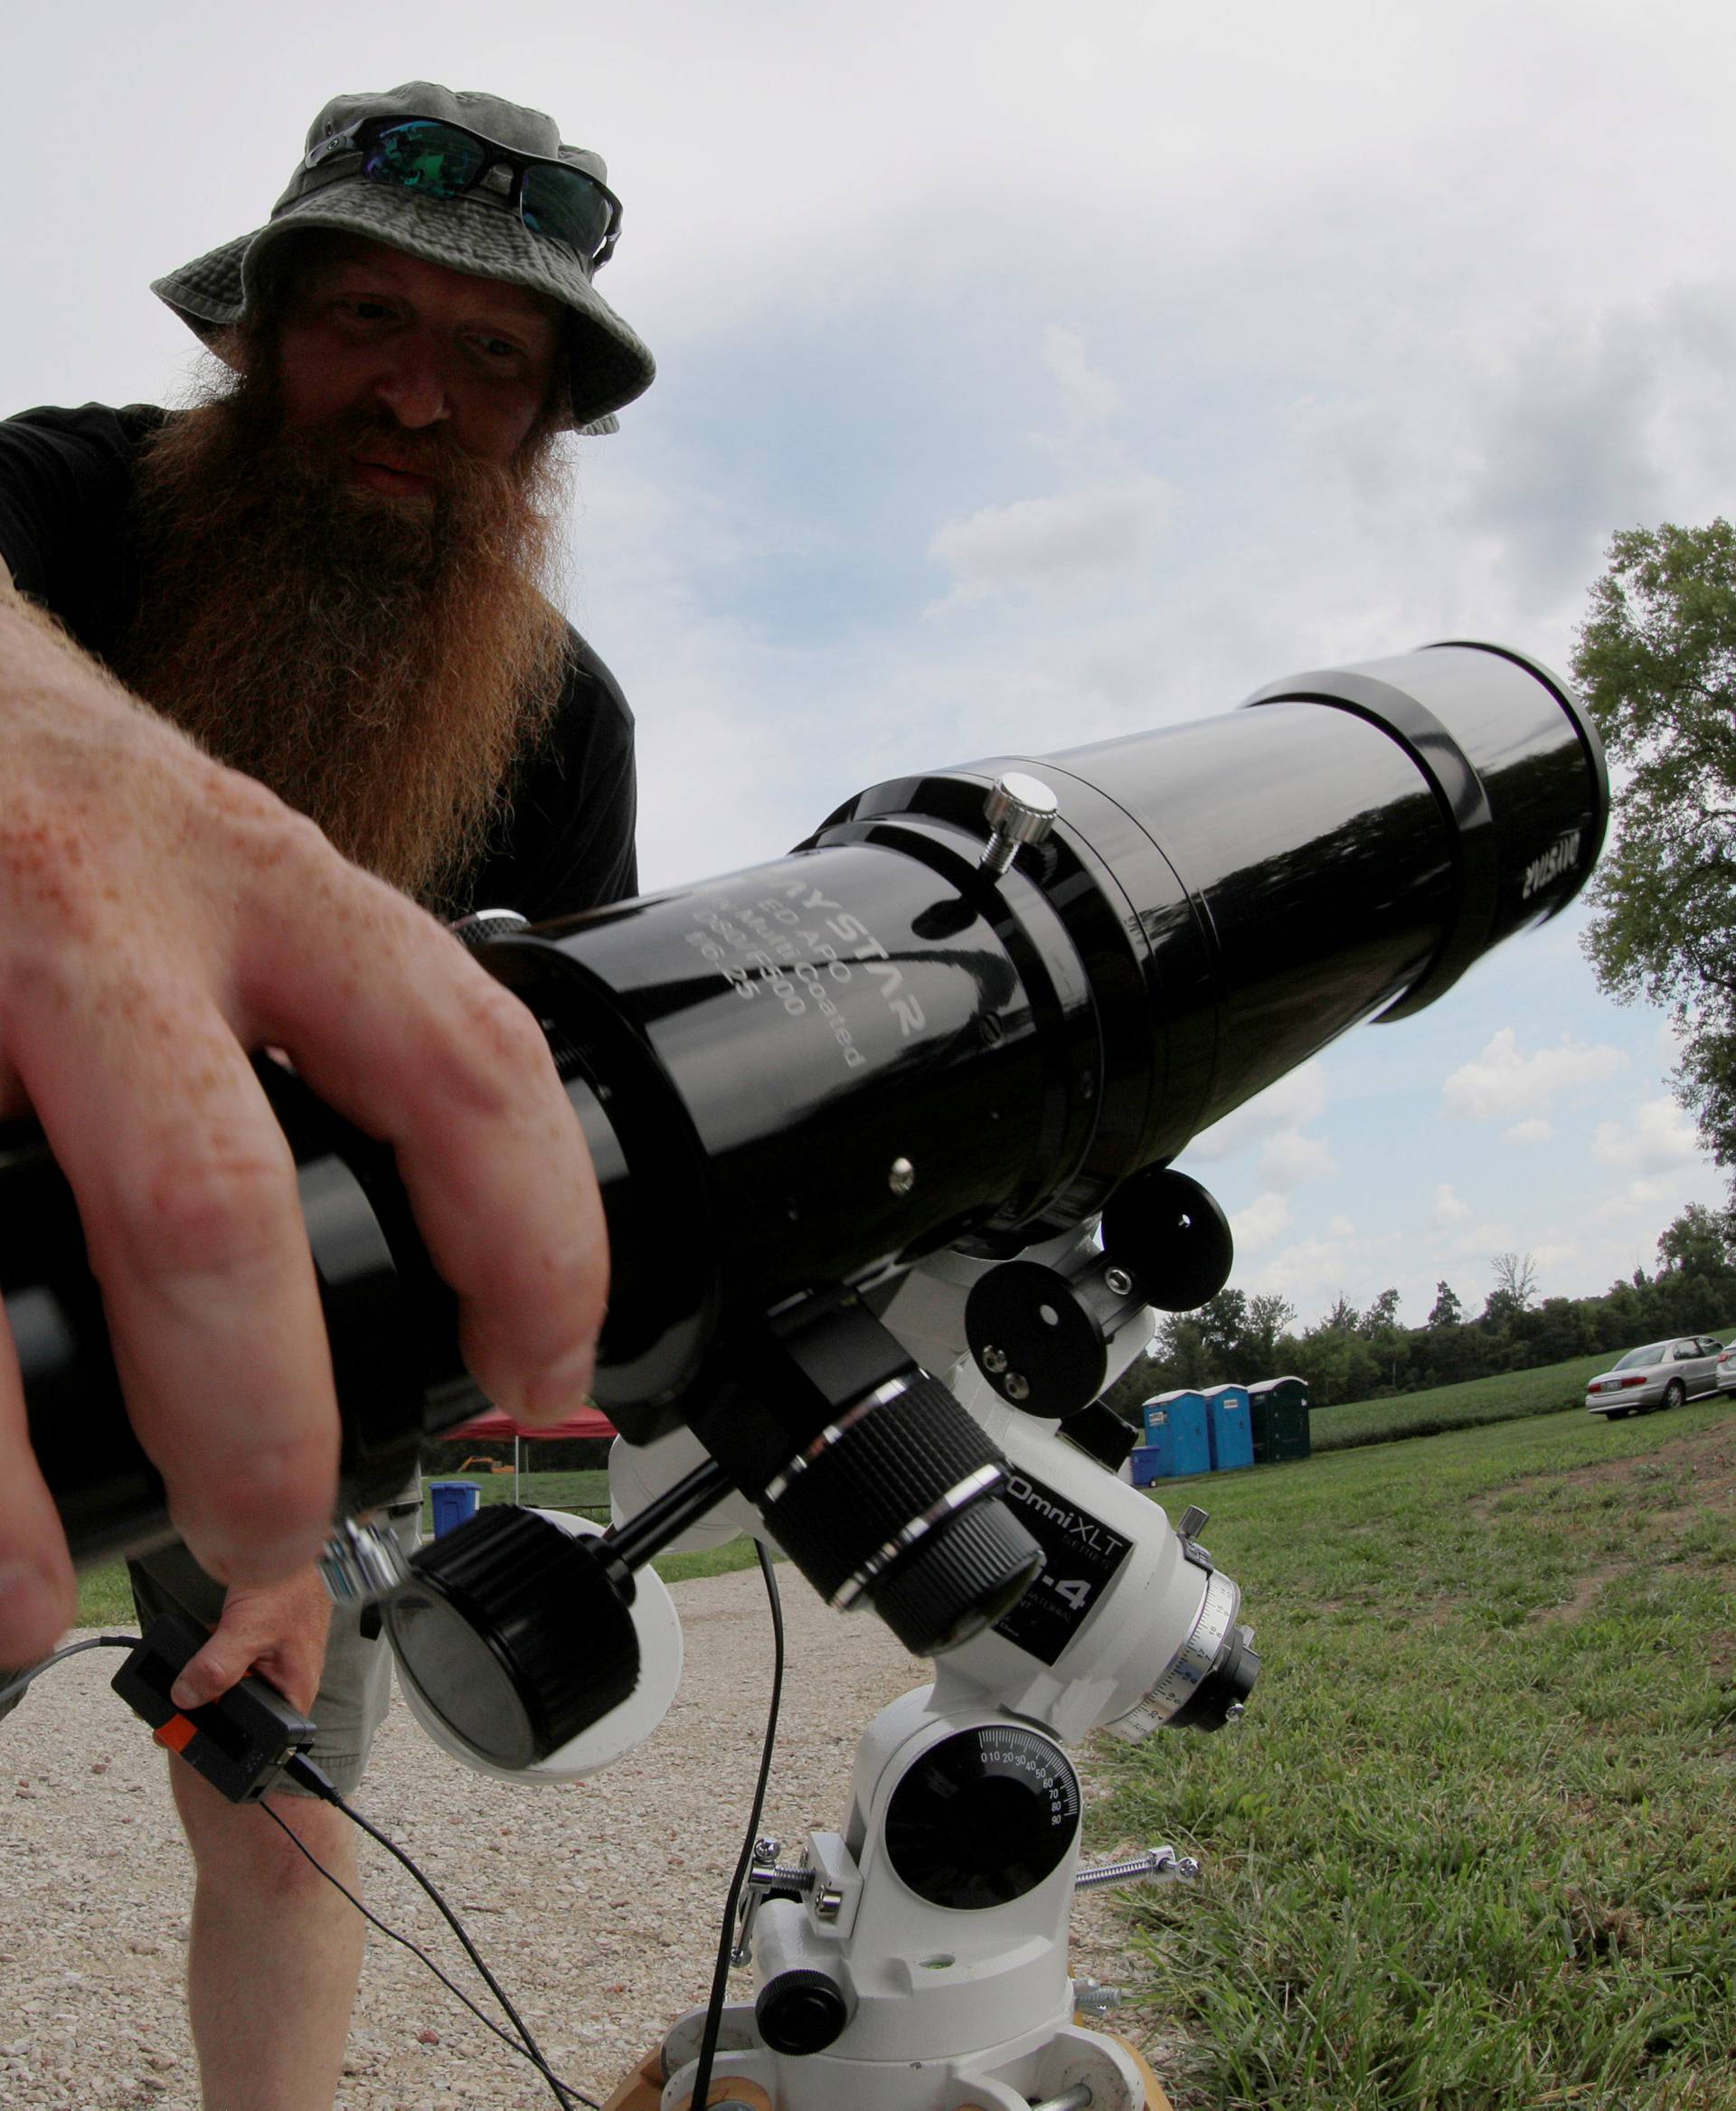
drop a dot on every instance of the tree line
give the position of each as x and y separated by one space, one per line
1352 1356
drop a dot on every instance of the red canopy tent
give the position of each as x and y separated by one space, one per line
495 1427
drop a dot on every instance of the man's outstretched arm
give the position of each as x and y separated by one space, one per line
162 916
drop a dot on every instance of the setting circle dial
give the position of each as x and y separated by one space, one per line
983 1817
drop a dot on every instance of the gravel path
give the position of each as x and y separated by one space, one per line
596 1903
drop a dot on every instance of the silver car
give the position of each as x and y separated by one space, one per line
1662 1374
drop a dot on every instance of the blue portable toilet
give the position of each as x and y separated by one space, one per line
1229 1421
455 1503
1177 1442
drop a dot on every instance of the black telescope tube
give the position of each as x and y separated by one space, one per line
804 1076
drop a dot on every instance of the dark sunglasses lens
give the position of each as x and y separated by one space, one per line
566 206
423 155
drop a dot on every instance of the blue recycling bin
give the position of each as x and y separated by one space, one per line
1231 1423
455 1503
1178 1441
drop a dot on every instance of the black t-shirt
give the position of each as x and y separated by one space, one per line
67 537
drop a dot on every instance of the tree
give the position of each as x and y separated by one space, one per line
1657 660
1379 1327
1695 1244
1515 1279
1336 1363
1447 1310
1381 1317
1268 1317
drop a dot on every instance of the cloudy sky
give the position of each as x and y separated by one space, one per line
1024 384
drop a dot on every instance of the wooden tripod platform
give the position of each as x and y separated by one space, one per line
642 2090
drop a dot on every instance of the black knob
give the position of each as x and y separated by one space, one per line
515 1633
1171 1237
1041 1336
800 2011
983 1817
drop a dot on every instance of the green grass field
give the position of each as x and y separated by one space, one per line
1552 1389
1471 1849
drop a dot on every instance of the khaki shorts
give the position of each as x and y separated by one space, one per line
355 1686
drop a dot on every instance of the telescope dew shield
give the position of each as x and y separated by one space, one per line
799 1078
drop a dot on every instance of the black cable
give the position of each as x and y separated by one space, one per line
17 1685
302 1770
726 1941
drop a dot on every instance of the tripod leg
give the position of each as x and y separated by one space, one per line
732 2089
1156 2099
642 2090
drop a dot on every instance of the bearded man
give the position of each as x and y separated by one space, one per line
329 578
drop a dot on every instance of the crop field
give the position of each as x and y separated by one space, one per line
1472 1848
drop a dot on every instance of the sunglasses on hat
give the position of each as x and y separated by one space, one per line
433 159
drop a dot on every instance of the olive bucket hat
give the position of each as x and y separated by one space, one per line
467 181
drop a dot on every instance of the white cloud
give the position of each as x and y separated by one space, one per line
1087 397
1290 1158
1289 1104
1535 1131
1659 1135
1040 542
1256 1228
1341 1226
1448 1208
1504 1081
1311 1272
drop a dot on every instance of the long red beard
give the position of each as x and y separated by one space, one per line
381 667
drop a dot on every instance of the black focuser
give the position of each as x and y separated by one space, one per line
1040 1333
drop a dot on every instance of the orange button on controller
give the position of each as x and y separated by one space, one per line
178 1733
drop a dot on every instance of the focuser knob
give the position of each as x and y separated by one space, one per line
1170 1237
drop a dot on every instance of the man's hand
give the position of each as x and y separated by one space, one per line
161 917
278 1629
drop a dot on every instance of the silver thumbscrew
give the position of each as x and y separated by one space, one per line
1020 809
